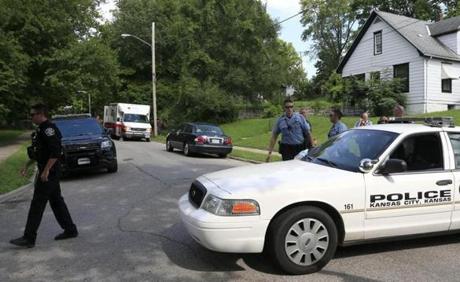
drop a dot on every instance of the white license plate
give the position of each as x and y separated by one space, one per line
83 161
215 141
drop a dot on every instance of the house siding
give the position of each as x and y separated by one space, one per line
436 99
451 40
396 50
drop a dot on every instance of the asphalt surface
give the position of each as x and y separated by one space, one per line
130 231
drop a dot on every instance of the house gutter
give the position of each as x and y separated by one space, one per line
425 105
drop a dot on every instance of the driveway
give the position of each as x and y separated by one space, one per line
130 231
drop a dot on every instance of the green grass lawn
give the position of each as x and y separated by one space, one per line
7 136
255 133
10 170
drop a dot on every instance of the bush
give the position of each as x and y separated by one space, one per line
271 110
378 96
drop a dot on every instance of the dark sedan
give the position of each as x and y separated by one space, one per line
199 138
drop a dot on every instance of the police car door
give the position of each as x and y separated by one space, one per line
418 200
454 138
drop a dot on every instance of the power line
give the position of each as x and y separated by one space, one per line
299 13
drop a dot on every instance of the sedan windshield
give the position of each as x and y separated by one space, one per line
208 129
78 127
135 118
346 150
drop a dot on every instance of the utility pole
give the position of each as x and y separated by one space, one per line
154 84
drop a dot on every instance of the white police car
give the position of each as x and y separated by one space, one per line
374 182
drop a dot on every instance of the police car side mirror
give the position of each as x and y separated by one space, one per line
393 166
366 165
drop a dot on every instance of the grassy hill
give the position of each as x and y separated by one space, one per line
255 133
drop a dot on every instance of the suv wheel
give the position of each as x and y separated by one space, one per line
113 167
302 240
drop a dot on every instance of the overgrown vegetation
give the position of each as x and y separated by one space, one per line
10 171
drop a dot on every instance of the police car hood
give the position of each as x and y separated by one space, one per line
272 177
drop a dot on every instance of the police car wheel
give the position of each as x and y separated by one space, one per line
148 139
169 146
302 240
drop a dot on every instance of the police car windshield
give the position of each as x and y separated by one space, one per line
135 118
346 150
78 127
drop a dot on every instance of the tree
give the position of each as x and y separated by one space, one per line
225 49
330 26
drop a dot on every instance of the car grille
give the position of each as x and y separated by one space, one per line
138 129
78 148
196 194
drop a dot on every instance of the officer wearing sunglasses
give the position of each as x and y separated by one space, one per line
294 131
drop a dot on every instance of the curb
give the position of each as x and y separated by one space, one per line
12 194
244 160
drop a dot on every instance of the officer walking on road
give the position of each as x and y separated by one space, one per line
294 131
46 150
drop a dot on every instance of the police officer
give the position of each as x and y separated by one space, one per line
294 130
337 126
46 150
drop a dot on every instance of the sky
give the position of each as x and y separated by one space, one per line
291 30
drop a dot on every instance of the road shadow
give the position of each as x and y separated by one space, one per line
223 262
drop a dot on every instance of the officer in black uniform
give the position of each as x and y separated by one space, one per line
46 150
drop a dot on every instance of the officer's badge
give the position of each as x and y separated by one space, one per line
49 132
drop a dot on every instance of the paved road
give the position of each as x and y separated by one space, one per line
130 231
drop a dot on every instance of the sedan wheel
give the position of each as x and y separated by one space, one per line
187 150
169 146
302 240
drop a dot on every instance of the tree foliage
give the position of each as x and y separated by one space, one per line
211 56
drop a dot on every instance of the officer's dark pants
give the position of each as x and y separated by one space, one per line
44 192
288 152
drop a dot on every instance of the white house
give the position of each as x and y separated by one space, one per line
425 54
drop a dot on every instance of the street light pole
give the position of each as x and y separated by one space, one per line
154 77
154 85
89 99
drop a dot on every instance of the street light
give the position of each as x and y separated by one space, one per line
89 99
154 94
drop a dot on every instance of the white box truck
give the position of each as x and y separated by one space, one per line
128 121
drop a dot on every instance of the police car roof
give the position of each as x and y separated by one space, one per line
408 128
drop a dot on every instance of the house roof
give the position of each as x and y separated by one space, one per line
413 30
445 26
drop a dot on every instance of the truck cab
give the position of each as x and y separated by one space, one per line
128 121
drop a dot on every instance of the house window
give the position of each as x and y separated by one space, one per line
375 75
378 42
402 72
447 85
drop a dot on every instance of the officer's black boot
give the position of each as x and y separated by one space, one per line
23 242
66 235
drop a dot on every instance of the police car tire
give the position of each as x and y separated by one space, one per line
277 236
148 139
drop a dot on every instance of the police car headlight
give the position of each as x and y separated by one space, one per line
225 207
106 144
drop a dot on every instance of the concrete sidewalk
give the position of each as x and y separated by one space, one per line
257 151
10 148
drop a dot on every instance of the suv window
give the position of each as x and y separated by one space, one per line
455 141
420 152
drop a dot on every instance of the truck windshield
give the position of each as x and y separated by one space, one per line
78 127
346 150
135 118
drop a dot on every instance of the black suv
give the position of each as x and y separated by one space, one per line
85 144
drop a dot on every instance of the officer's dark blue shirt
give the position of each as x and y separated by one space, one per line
48 144
293 130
